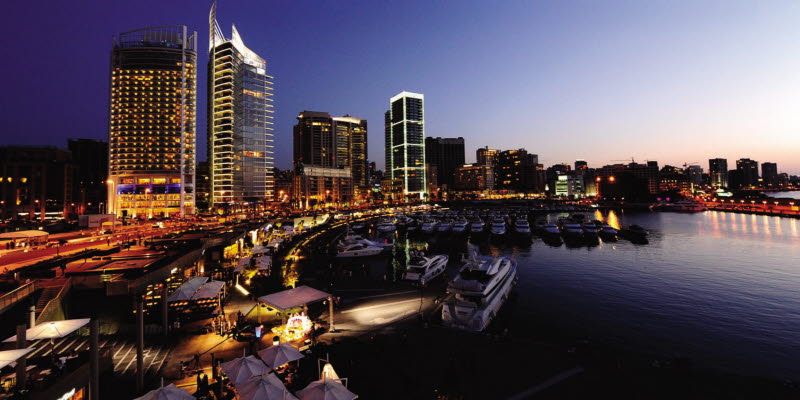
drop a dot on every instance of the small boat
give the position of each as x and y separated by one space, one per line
589 229
634 233
429 226
608 232
423 269
358 250
460 226
571 230
521 226
477 226
551 229
386 226
480 289
498 227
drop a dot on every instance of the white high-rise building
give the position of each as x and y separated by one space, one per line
405 142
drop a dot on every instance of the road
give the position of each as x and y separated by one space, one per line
82 240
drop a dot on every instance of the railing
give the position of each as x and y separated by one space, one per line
11 298
54 309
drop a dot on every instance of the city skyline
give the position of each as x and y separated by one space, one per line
634 80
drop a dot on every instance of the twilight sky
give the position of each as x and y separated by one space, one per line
673 81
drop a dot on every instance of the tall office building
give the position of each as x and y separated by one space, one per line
152 122
487 156
517 170
769 173
405 146
747 171
351 147
718 172
581 166
239 120
446 154
322 163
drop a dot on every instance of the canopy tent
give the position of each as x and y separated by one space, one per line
208 290
264 387
243 262
51 330
188 289
169 392
10 356
328 372
243 368
326 389
277 355
293 298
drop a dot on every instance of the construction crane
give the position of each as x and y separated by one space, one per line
686 164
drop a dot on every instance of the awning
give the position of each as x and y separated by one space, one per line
51 330
10 356
188 289
259 250
22 234
293 298
243 262
210 289
264 262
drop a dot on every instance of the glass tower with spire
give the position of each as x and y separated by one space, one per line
240 112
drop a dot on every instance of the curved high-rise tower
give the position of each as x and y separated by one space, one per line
152 122
239 121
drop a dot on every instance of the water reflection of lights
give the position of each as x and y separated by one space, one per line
613 219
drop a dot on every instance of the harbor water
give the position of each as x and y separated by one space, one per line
720 289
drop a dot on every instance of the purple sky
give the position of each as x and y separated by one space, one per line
673 81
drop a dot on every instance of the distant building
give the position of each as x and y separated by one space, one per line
769 173
474 178
695 174
405 142
203 184
632 181
487 156
446 154
570 185
152 122
35 182
319 176
240 109
351 147
673 179
581 166
718 172
90 161
517 171
747 170
432 177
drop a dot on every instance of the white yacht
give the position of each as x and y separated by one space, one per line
477 226
551 229
354 239
684 206
423 269
521 226
460 226
445 226
481 287
358 250
429 226
386 226
498 227
571 229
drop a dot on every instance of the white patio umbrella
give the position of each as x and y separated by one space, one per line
328 372
275 356
208 290
243 368
9 356
169 392
263 387
51 330
326 389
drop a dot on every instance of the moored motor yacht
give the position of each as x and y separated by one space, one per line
386 226
445 226
608 232
477 226
429 226
498 227
422 269
358 250
480 289
521 226
460 226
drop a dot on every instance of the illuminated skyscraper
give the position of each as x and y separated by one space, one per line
718 172
239 120
405 142
351 147
152 122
